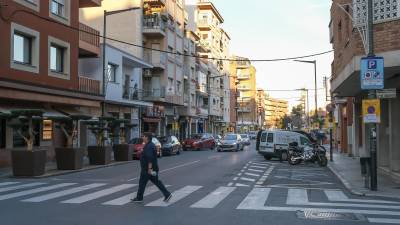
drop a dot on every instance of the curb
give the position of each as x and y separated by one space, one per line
353 191
54 173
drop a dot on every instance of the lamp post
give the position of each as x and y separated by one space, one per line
308 106
108 13
315 82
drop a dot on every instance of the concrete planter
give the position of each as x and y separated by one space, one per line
99 155
69 158
122 152
28 163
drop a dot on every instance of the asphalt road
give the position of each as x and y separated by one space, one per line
209 187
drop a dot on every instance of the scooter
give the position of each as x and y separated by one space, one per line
313 153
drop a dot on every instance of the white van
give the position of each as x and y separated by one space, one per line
275 143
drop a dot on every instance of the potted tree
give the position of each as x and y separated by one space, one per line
122 151
100 154
69 157
31 162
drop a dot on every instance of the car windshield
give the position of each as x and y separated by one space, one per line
230 137
155 141
244 136
196 136
136 141
166 140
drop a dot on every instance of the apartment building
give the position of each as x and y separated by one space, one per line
345 82
39 68
123 86
245 74
275 110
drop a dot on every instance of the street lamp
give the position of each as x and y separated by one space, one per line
308 107
108 13
315 82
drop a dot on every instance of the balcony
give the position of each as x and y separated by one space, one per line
89 3
155 2
244 110
175 99
89 41
202 110
89 86
155 58
204 24
153 26
130 93
243 87
154 95
243 76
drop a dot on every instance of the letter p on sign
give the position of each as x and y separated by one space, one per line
372 64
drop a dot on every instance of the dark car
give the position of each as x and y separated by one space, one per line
199 141
170 145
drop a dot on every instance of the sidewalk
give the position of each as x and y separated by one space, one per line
51 169
348 170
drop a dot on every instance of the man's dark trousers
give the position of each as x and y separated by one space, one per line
144 178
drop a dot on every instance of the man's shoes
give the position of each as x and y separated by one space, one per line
166 199
137 200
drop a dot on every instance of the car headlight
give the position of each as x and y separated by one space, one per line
219 143
234 143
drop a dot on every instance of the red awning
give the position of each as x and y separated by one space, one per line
151 120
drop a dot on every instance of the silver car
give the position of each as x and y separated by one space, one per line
245 139
231 142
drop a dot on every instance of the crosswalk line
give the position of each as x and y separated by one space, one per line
339 196
255 199
98 194
62 193
384 220
21 186
297 197
127 198
8 183
254 170
34 191
252 174
259 167
176 196
214 198
247 179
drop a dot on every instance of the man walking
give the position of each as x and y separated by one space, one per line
149 170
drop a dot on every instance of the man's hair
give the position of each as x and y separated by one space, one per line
149 136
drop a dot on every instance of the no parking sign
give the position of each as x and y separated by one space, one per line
371 111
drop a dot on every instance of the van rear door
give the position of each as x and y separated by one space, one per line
267 142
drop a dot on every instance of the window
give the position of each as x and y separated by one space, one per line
22 49
178 87
47 133
57 59
263 137
112 72
170 84
58 7
304 141
32 4
270 138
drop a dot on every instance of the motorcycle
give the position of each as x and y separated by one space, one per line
313 153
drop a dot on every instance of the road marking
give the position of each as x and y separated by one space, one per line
230 184
176 196
63 193
172 168
235 178
253 170
34 191
214 198
98 194
239 174
127 198
383 220
214 157
21 186
255 199
339 196
252 174
297 197
241 185
8 183
248 179
260 167
261 164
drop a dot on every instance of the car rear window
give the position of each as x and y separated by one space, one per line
270 138
263 137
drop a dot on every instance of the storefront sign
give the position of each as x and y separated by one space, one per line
371 110
386 93
372 73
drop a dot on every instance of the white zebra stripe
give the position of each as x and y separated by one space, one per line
176 196
214 198
34 191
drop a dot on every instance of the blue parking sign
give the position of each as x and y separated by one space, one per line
372 73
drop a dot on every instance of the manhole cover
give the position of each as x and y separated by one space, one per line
317 215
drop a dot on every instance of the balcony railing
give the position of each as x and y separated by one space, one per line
88 85
157 59
243 76
202 110
130 93
153 25
154 94
243 87
244 109
162 2
203 23
89 40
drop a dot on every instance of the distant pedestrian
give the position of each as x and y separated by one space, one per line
149 170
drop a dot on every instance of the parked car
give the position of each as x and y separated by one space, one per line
138 145
245 139
170 145
253 135
199 141
231 142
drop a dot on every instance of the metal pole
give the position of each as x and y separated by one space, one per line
103 105
315 89
331 144
308 111
372 95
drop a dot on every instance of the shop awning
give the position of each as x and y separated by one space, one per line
47 113
71 111
151 120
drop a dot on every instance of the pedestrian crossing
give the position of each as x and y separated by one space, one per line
200 197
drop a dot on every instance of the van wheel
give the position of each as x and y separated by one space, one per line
266 157
284 156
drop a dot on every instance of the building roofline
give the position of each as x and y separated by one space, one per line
212 7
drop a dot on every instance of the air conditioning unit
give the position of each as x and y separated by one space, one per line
147 73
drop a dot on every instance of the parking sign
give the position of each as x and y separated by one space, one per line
372 73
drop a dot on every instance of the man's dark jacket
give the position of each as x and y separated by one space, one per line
149 155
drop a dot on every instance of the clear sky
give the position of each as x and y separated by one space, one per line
266 29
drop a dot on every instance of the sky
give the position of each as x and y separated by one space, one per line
269 29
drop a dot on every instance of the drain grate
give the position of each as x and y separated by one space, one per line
317 215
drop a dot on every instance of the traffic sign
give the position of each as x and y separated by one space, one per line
386 93
371 110
372 73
